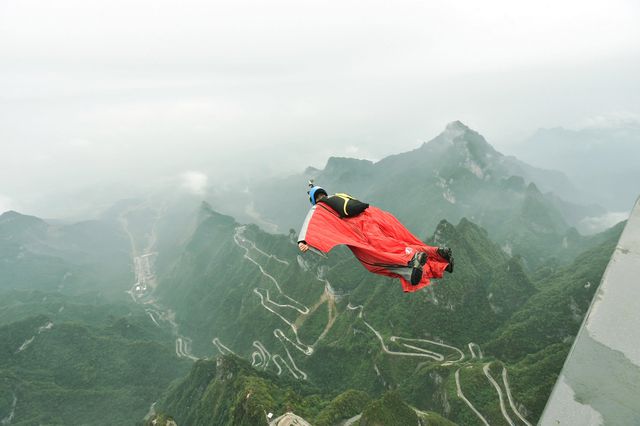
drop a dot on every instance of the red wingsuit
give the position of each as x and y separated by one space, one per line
379 241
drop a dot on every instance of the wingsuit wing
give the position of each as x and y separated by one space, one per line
379 241
323 230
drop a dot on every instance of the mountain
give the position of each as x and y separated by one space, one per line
450 173
74 347
228 391
601 160
347 405
237 290
14 225
457 174
232 270
564 295
266 329
79 257
321 337
388 410
73 361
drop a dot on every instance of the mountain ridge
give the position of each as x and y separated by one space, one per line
456 174
312 329
600 159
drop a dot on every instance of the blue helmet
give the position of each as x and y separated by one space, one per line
314 192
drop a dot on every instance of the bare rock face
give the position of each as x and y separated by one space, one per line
161 420
289 419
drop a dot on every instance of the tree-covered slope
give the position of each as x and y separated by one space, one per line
232 271
315 319
329 323
319 336
555 312
228 391
65 362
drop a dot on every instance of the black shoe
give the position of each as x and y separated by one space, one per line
417 263
447 254
449 267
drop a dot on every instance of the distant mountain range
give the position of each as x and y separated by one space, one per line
457 174
276 331
81 257
603 162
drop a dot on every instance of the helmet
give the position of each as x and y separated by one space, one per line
314 192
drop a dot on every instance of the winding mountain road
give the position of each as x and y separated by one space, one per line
505 381
259 357
495 384
432 342
415 347
298 344
25 344
7 420
222 348
239 238
473 354
265 254
150 313
262 358
418 351
352 420
464 398
28 342
183 348
475 351
262 353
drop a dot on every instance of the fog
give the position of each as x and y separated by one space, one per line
103 100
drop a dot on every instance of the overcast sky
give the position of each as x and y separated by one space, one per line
118 95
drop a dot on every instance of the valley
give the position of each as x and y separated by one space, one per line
212 320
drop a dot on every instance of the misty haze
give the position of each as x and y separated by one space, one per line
164 258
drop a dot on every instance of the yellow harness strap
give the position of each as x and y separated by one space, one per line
346 198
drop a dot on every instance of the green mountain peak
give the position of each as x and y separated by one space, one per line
463 136
457 125
389 410
345 163
532 190
12 222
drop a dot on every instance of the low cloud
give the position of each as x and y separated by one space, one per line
611 120
592 225
79 143
6 204
195 182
